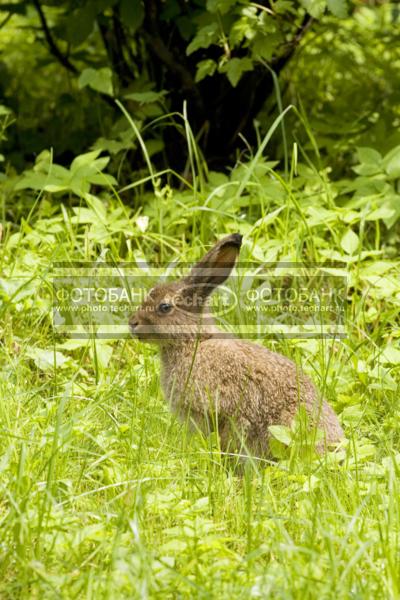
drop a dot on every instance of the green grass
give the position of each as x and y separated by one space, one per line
103 494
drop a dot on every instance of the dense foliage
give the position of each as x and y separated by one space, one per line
212 59
103 493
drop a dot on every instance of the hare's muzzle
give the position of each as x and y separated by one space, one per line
133 325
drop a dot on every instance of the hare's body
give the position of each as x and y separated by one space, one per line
241 393
236 387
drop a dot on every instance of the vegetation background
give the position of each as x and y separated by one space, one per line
133 130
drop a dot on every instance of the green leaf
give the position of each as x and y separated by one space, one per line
393 201
79 25
282 6
370 162
235 68
174 546
338 8
269 218
205 68
4 110
391 355
132 13
264 46
97 79
391 163
46 360
368 156
146 97
221 6
102 179
316 8
367 169
207 35
350 242
281 433
83 160
352 415
102 353
83 215
383 212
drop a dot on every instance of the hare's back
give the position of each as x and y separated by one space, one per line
272 386
253 360
237 367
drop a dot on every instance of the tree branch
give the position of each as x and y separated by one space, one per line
54 49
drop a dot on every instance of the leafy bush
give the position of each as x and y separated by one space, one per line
215 55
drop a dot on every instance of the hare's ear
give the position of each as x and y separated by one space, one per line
215 267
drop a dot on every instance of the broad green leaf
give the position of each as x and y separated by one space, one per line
97 79
79 186
243 29
316 8
132 13
367 169
391 355
235 68
205 68
80 24
207 35
102 354
368 156
47 360
352 415
311 484
319 215
383 212
350 242
282 6
123 141
370 162
269 218
55 172
365 450
102 179
221 6
97 205
84 160
338 8
83 215
93 168
201 505
393 201
175 546
264 46
53 188
281 433
377 267
31 180
391 163
4 110
146 97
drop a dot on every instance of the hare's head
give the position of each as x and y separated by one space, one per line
179 310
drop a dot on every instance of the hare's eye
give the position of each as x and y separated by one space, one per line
164 307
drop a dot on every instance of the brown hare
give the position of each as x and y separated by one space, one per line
235 386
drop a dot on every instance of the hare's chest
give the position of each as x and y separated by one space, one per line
177 383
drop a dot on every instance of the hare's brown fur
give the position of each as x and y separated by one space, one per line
238 387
